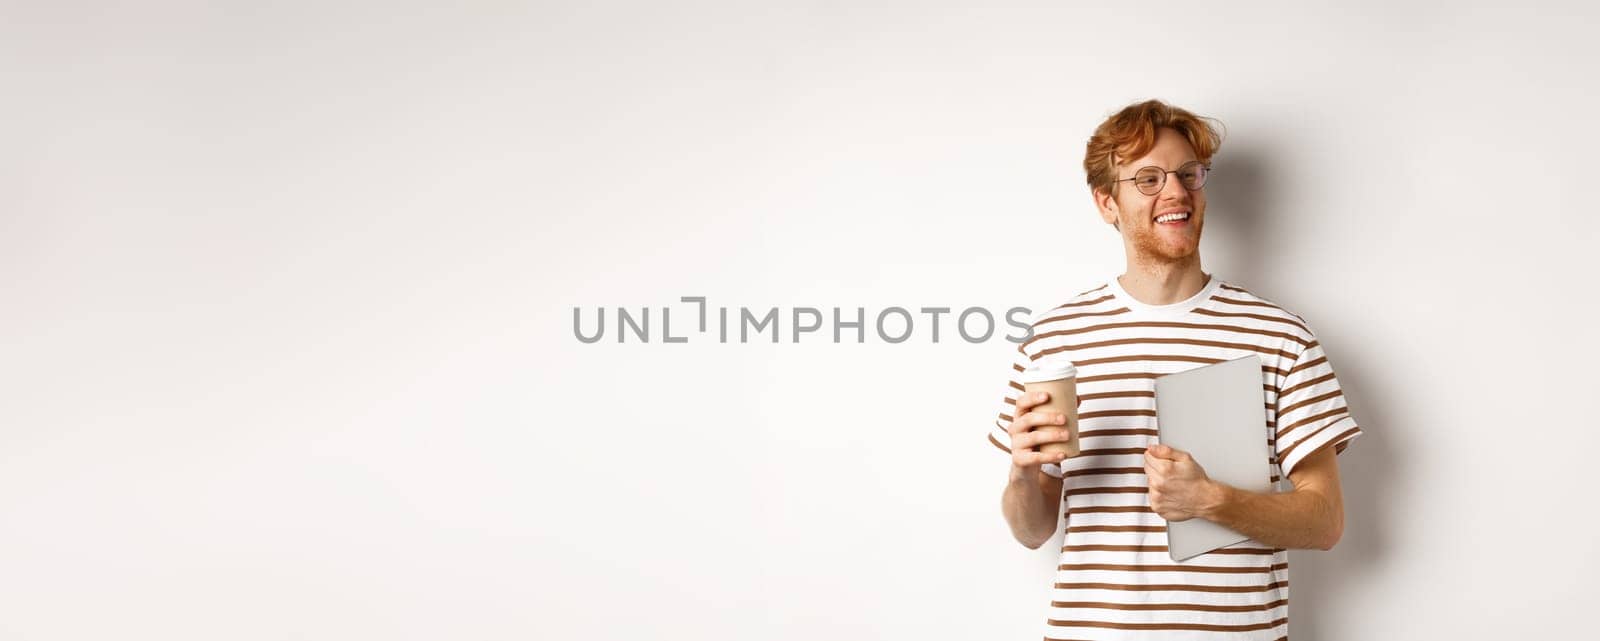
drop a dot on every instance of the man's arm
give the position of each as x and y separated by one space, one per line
1031 504
1031 501
1309 517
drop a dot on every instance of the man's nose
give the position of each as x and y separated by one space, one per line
1174 188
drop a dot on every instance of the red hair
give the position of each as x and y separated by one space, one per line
1131 132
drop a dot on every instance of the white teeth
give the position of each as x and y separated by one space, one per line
1171 217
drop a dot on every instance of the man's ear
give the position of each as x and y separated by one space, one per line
1107 204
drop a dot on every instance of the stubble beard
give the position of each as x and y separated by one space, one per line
1149 248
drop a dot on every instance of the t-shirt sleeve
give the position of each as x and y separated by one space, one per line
1311 410
1008 409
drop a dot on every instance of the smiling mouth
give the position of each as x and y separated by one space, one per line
1175 218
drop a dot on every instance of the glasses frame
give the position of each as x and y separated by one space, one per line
1163 184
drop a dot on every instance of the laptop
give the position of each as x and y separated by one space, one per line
1217 413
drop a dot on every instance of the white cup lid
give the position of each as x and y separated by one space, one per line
1048 369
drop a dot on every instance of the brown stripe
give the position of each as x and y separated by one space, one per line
1311 401
1117 377
1079 491
1104 470
1237 289
1113 509
1200 607
1129 431
1173 626
1118 567
1173 341
1112 451
998 444
1053 319
1115 528
1083 416
1062 319
1336 437
1129 393
1166 358
1274 319
1236 329
1123 394
1113 548
1154 587
1303 384
1086 302
1096 547
1006 418
1251 303
1342 409
1309 364
1147 357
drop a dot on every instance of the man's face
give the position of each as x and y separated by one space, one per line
1135 213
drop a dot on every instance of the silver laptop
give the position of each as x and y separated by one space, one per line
1217 413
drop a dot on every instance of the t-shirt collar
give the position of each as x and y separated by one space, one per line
1170 309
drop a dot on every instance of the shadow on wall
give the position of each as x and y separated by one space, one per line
1248 239
1242 239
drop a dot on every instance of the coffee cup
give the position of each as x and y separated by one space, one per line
1059 378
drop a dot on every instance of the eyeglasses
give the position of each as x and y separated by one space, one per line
1150 180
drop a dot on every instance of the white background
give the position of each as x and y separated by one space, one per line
288 346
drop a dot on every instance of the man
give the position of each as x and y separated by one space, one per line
1147 167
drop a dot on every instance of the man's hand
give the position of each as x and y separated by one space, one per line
1179 487
1031 429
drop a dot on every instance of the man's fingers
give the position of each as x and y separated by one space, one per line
1174 454
1027 422
1024 457
1045 435
1027 402
1020 425
1039 419
1040 458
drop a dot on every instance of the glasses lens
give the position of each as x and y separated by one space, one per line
1193 175
1149 180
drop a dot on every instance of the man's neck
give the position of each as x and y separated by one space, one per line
1164 283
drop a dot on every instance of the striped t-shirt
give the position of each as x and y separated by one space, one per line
1115 579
